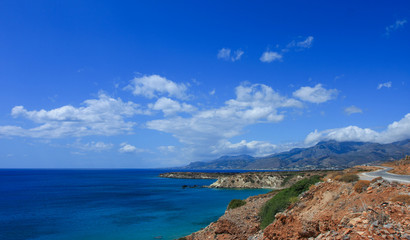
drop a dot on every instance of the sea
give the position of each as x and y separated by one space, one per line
107 204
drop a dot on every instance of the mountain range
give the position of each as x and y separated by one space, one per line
324 155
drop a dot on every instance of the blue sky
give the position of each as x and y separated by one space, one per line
105 84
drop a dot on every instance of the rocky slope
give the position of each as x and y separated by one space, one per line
274 180
329 210
334 210
239 223
401 167
195 175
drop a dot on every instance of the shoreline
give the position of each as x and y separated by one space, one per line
248 180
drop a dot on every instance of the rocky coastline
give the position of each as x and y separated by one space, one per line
271 180
336 208
195 175
329 210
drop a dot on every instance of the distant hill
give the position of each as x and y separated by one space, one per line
330 154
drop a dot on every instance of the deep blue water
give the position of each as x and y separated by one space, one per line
106 205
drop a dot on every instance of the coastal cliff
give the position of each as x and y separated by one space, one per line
273 180
340 207
195 175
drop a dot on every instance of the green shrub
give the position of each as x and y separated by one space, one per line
293 200
235 203
349 178
283 199
287 179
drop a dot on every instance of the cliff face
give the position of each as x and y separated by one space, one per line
274 180
257 180
194 175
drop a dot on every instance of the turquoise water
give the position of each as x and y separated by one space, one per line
106 205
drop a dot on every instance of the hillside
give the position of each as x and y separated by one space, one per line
337 208
330 155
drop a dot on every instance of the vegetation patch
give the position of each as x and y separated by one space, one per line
235 203
347 178
283 199
287 178
361 186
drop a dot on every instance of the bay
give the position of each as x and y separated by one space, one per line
107 204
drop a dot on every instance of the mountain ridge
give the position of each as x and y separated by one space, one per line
323 155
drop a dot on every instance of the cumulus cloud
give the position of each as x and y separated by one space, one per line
316 94
225 54
269 56
153 86
396 131
382 85
255 103
398 24
254 148
102 116
170 107
127 148
352 109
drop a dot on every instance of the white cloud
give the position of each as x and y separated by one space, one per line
102 116
237 55
253 148
398 24
127 148
167 149
153 86
92 146
382 85
269 56
225 54
352 109
212 92
396 131
317 94
255 103
170 107
307 43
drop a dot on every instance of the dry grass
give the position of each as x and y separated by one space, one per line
347 178
361 186
401 198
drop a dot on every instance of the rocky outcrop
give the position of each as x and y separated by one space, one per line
255 180
236 224
274 180
195 175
